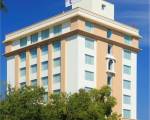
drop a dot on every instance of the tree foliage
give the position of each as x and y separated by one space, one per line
2 5
28 104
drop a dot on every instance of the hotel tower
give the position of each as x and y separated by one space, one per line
83 47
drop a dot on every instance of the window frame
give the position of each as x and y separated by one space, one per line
45 34
127 99
57 29
55 59
32 51
22 84
43 83
109 81
43 65
89 26
89 57
44 50
21 69
57 46
57 81
23 42
128 39
34 81
109 33
127 71
125 52
23 56
87 73
89 43
34 38
34 68
125 86
129 115
110 49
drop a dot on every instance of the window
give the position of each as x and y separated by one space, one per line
127 114
127 54
109 51
34 69
87 89
45 97
34 38
89 26
126 99
109 81
23 72
57 62
57 78
56 46
44 50
89 76
45 65
110 65
45 34
128 40
23 57
33 53
22 85
127 84
34 82
45 81
57 91
89 59
23 42
109 33
127 69
89 43
57 29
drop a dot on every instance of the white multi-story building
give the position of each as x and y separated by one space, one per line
81 48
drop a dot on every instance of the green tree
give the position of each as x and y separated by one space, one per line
24 104
84 105
28 104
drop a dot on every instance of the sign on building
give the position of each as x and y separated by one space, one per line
70 2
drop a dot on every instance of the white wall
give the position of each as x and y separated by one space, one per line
133 79
83 67
56 70
16 45
76 64
95 6
72 64
11 71
134 85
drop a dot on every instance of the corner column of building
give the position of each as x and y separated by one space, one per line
28 67
63 66
117 80
17 71
8 47
101 79
39 66
77 23
50 66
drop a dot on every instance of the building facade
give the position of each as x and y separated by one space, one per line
77 49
